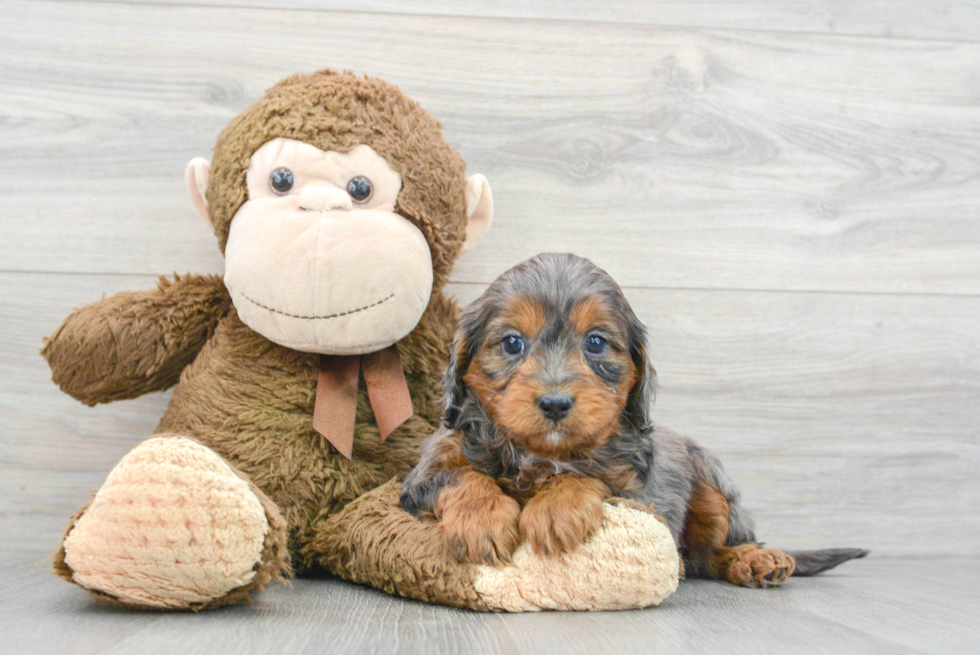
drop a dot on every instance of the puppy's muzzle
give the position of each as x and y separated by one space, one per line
555 406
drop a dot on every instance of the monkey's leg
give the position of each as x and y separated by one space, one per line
706 552
175 526
630 562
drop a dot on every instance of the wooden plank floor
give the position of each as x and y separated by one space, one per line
788 192
874 606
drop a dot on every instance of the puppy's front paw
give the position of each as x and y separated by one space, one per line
479 520
563 515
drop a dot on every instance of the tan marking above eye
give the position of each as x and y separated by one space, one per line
523 314
591 313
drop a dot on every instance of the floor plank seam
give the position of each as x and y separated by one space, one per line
625 287
538 19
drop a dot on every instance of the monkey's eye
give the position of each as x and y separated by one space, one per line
596 344
281 181
360 189
512 344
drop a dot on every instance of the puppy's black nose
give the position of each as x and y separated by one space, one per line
555 405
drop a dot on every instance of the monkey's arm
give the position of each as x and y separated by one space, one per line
135 342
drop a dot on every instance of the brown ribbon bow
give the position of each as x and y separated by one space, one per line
335 408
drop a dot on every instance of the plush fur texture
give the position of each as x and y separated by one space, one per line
338 112
149 537
248 402
252 402
136 342
629 563
172 572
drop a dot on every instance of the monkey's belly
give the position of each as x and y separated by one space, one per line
252 402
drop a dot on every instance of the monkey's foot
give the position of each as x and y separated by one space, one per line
174 527
630 562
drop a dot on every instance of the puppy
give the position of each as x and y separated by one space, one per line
549 392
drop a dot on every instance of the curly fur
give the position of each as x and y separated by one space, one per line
685 483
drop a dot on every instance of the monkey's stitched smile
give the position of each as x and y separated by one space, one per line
316 318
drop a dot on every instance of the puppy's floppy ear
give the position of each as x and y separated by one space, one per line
469 335
453 381
640 400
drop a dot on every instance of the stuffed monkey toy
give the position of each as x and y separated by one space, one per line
307 376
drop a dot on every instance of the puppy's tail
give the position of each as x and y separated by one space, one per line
812 562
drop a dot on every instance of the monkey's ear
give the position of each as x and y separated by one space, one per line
479 210
196 177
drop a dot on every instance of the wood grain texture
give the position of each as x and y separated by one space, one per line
686 159
871 606
794 213
859 431
940 19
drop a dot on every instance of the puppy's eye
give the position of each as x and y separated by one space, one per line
281 181
360 189
596 344
512 345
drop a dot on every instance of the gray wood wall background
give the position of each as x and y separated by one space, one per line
789 193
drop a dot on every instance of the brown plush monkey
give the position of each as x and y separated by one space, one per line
306 378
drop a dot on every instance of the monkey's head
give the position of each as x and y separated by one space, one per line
340 209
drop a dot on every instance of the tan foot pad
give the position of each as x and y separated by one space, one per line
631 562
172 526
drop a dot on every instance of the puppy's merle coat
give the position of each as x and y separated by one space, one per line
548 397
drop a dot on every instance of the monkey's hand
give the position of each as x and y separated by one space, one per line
563 514
135 342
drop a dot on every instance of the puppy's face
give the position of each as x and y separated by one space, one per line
555 377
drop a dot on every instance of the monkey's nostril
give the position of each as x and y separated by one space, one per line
555 406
